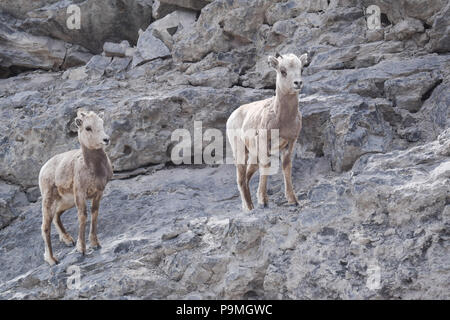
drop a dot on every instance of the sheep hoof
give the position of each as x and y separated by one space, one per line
81 250
51 260
68 240
263 205
96 246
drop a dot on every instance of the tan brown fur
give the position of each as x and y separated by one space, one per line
70 179
279 112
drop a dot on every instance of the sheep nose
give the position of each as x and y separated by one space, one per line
106 140
298 83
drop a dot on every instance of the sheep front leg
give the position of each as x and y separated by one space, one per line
80 202
241 170
287 174
93 230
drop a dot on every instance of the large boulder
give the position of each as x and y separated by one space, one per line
161 8
187 4
409 92
371 81
343 128
221 25
19 9
100 21
149 47
440 34
157 41
434 116
399 10
21 50
405 29
11 199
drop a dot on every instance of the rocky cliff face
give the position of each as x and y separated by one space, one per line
371 170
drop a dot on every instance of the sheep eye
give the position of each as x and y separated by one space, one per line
88 128
283 73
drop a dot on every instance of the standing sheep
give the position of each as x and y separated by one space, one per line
280 113
70 179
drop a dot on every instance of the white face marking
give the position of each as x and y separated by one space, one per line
91 133
289 72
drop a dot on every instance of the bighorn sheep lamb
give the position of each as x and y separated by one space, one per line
279 112
69 179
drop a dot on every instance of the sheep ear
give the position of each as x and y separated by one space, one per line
273 62
81 113
78 122
304 58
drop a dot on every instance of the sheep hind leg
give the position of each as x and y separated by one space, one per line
64 236
251 169
263 199
47 216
